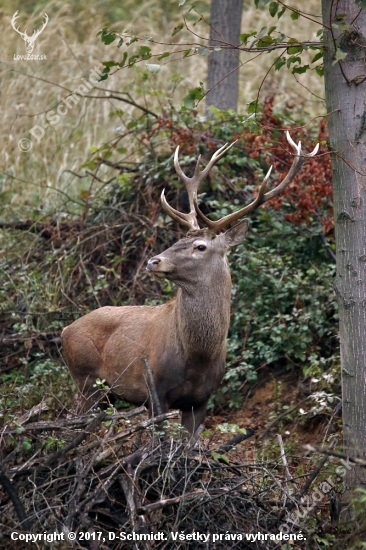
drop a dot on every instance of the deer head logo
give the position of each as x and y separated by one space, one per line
29 40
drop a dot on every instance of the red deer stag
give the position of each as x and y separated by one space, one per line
184 339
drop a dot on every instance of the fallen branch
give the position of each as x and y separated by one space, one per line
14 497
236 440
70 423
329 452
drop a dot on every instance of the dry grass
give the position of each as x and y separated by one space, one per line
31 88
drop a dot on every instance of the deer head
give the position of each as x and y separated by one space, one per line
29 40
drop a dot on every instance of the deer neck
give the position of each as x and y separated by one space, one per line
202 314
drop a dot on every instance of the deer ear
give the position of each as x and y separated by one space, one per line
236 234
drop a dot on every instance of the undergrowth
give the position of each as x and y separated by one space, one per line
283 306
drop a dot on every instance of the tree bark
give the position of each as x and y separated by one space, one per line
222 65
345 87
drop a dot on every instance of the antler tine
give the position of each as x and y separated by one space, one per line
37 33
13 21
225 222
191 185
216 157
217 226
189 220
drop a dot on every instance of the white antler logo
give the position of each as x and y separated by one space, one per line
29 40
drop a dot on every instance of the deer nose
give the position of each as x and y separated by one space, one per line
152 264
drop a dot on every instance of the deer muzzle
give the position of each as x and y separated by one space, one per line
153 264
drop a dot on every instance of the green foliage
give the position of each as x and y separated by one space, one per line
41 379
107 36
194 96
283 305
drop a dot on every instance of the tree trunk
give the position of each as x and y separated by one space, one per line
345 87
225 25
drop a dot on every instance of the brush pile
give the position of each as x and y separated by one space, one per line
111 478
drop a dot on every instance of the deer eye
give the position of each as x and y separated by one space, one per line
201 247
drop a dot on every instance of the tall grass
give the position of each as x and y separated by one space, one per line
43 178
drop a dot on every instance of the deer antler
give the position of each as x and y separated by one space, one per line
221 225
37 33
14 18
191 185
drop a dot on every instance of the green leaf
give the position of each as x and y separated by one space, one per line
265 41
107 36
163 55
273 8
124 57
294 49
280 63
320 70
361 3
244 37
317 56
280 13
300 70
339 56
194 95
262 32
133 39
132 60
220 457
186 53
120 43
293 59
27 445
252 107
177 29
144 52
342 26
294 15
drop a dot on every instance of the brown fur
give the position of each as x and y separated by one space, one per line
183 340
